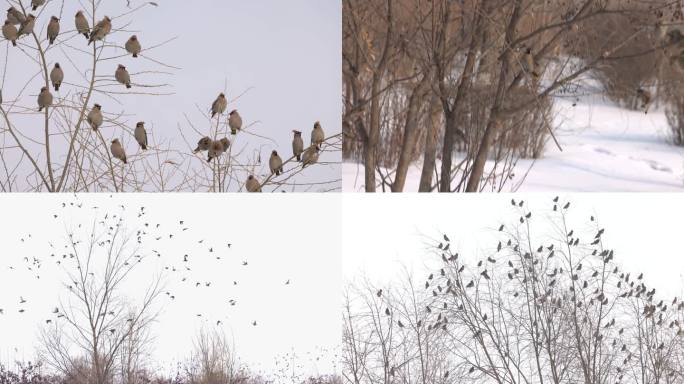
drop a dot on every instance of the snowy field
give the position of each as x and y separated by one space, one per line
605 149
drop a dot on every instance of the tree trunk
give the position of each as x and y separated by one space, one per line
430 146
493 124
410 134
370 156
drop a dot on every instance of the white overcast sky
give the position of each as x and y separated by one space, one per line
285 54
384 234
295 237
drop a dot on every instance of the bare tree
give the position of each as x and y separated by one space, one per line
542 305
97 326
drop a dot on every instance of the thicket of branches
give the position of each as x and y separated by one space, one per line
474 81
535 309
58 148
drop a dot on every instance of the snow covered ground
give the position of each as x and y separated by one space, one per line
605 149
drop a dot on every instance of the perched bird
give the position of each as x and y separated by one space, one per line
317 135
95 117
26 27
275 163
100 30
133 46
203 144
215 150
9 32
529 64
44 98
82 25
53 29
14 16
252 184
297 145
56 76
234 121
122 76
118 151
644 97
37 3
140 135
219 105
226 144
310 156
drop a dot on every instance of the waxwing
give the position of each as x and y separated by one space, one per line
53 29
37 3
317 134
203 144
118 151
234 121
56 76
26 27
100 30
252 184
14 16
9 32
297 145
133 46
95 117
122 76
140 135
275 163
82 25
219 105
44 98
310 156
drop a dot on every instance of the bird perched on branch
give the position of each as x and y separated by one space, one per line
14 16
9 32
219 105
297 145
36 3
53 29
26 27
133 46
94 117
317 134
56 76
529 64
252 184
275 163
644 97
216 149
310 156
122 76
203 144
140 135
44 98
118 151
234 121
82 25
100 30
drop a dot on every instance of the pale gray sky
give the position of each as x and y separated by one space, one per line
384 234
284 54
272 233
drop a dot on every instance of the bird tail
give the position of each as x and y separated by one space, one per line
40 109
233 131
144 147
56 87
135 55
14 43
213 114
86 35
128 85
299 158
35 7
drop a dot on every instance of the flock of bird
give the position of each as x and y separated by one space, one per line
536 278
179 269
214 148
